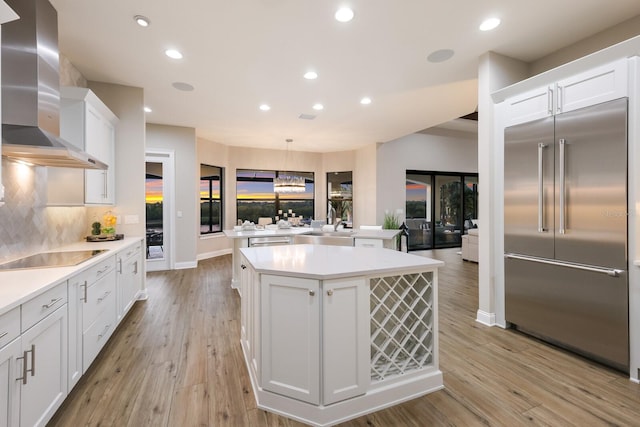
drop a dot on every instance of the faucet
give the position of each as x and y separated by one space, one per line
331 215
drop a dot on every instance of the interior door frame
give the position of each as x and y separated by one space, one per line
167 158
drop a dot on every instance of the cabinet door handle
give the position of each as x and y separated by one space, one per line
135 267
25 369
51 303
84 298
559 100
330 292
103 333
242 266
100 272
550 100
312 292
4 334
104 174
103 297
120 266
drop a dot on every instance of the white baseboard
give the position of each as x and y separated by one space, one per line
485 318
185 265
214 254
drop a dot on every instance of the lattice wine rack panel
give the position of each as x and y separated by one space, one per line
401 324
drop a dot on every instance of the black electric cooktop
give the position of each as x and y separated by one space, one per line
51 259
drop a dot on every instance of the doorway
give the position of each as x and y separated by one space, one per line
159 184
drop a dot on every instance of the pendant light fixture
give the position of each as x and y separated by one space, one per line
286 182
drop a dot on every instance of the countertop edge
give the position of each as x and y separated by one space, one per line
51 277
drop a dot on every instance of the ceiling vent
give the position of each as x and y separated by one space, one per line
306 116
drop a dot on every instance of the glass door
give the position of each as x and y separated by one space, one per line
441 207
158 203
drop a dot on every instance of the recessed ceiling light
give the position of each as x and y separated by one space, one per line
310 75
147 110
172 53
440 55
185 87
365 101
265 107
318 107
489 24
344 14
143 21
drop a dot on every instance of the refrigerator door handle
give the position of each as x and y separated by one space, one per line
562 229
541 228
613 272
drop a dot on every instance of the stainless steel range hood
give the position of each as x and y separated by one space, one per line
31 90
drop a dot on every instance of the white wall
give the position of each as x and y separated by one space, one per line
182 141
438 152
494 72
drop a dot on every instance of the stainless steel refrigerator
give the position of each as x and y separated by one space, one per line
565 212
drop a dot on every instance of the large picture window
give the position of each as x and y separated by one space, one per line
211 199
256 197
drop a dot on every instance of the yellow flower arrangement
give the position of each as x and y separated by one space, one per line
109 223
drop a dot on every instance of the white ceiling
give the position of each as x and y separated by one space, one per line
240 53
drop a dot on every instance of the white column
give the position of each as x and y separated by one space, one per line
494 72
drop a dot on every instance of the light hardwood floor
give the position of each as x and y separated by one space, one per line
176 361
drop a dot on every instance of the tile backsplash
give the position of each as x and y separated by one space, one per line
27 225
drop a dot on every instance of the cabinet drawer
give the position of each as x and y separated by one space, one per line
368 243
99 298
95 337
130 251
44 304
9 326
99 270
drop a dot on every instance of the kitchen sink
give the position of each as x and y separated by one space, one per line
335 238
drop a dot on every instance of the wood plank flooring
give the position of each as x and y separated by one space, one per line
176 361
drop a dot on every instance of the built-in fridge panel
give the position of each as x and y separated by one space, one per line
591 170
581 310
529 188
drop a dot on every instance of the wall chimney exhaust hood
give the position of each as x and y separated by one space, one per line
31 90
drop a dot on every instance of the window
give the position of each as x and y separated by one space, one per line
255 197
211 199
340 195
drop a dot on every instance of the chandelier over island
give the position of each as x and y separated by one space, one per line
286 182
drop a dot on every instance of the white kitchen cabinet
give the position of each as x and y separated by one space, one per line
291 337
98 310
345 339
129 278
601 84
250 315
43 367
87 123
315 336
76 286
368 243
10 350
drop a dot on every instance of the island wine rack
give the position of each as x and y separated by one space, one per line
402 322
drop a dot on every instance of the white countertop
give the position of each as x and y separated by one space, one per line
360 234
331 262
19 286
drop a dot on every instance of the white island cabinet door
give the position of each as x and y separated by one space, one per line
345 339
45 347
291 337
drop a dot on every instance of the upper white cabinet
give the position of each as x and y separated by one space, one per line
601 84
87 122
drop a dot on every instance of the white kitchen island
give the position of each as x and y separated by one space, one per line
330 333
